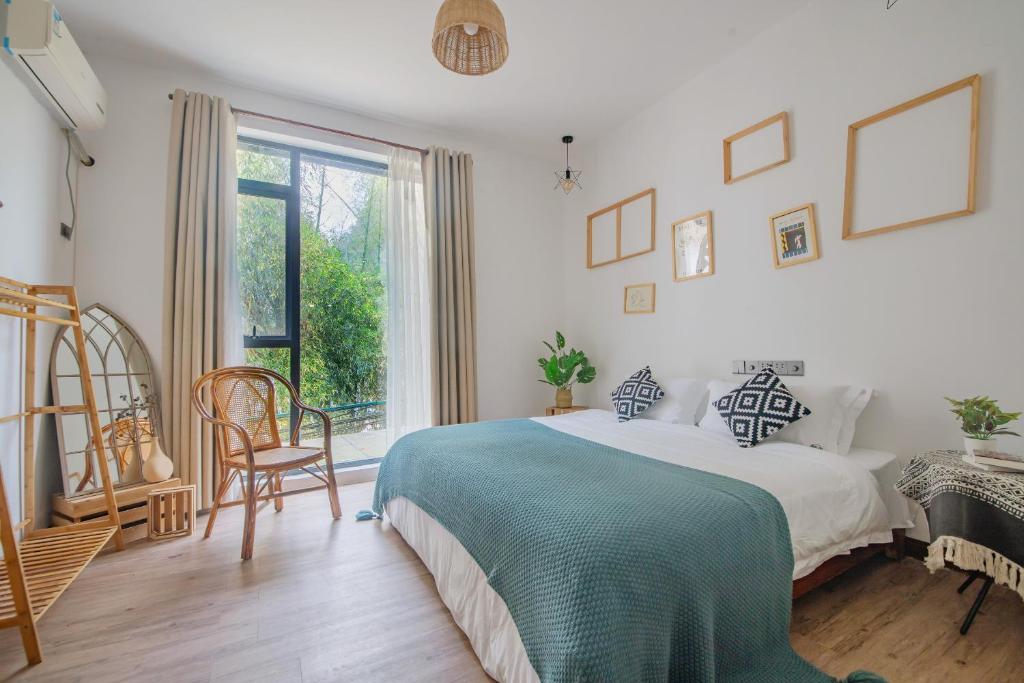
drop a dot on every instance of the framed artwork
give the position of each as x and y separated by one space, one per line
914 164
693 247
794 236
621 231
765 145
639 298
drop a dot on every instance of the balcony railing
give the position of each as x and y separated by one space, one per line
345 419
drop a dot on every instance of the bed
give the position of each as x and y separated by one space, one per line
772 515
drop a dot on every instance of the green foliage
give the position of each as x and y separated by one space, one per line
343 303
342 326
565 368
261 265
981 418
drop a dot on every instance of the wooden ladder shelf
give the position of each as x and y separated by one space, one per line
39 568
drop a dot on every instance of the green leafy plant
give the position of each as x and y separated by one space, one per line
565 368
981 418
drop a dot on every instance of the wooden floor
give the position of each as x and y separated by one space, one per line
349 601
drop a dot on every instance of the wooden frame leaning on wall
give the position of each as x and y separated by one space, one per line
727 143
972 82
617 208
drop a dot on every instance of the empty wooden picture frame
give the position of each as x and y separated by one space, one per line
794 236
638 298
621 231
933 152
782 118
693 247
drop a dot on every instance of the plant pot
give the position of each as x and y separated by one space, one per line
977 446
563 398
158 467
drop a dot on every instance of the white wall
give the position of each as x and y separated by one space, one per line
897 312
31 189
120 259
916 314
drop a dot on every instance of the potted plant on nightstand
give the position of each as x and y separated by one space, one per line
564 369
981 421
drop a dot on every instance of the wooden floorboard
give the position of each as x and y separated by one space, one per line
346 601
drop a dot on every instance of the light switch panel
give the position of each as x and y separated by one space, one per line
789 368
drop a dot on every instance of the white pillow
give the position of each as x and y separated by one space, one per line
833 418
830 426
683 398
712 421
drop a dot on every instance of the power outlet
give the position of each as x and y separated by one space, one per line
789 368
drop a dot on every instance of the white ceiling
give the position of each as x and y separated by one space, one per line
574 66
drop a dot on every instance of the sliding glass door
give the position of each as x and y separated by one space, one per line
311 229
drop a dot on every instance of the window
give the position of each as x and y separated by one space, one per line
310 242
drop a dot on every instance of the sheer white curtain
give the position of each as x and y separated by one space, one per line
412 333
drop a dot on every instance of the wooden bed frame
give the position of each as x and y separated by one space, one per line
843 563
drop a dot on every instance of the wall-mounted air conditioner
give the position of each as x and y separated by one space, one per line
37 38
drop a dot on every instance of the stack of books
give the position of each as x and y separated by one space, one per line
996 461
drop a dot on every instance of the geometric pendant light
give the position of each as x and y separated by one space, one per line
568 178
470 37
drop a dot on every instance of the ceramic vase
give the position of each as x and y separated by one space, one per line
158 467
977 446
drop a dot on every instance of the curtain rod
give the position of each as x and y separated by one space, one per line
336 131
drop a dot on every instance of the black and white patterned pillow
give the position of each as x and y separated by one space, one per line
758 408
636 394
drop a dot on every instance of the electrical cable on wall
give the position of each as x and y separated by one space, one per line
85 159
66 231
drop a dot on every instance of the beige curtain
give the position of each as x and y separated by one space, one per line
201 323
448 182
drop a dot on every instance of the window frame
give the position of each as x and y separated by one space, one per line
291 194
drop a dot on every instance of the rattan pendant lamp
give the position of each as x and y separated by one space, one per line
470 37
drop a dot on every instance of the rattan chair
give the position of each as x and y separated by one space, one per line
248 443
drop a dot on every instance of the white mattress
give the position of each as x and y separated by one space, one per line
886 468
833 504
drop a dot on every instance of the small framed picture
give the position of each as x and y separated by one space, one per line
693 247
639 298
794 236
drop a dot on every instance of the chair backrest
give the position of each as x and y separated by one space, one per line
245 396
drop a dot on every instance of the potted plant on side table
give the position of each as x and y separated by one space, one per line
981 421
564 369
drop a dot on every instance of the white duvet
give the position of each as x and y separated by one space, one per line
831 502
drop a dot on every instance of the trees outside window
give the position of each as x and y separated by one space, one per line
311 240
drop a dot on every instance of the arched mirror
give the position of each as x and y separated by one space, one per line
127 403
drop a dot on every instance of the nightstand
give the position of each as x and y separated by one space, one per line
976 520
553 410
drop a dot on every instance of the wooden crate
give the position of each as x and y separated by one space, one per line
132 506
172 512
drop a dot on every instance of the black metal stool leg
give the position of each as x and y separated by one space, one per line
977 603
970 579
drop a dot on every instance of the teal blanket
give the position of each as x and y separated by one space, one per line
615 567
